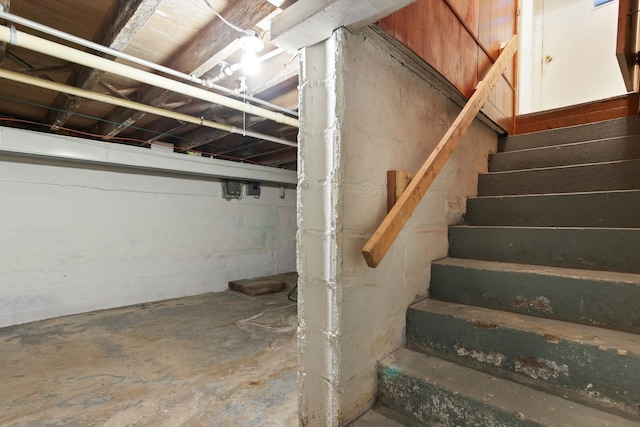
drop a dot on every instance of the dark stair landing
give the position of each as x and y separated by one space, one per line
534 317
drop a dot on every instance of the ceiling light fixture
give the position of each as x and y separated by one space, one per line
251 45
251 42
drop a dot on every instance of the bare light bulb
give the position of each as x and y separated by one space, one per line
250 63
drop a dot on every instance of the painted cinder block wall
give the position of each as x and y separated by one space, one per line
363 113
76 239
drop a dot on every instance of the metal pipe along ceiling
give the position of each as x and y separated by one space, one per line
46 47
58 87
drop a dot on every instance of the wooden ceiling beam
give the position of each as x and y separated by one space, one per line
6 4
195 55
121 25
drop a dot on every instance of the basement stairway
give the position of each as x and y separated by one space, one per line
534 318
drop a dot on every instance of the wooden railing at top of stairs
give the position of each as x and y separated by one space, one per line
392 225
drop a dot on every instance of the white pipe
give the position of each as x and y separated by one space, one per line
46 47
58 87
134 59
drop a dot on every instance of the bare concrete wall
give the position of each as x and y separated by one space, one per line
364 113
78 239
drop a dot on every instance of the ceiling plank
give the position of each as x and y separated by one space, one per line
193 56
118 29
6 4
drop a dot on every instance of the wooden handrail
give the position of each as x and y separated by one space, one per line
392 225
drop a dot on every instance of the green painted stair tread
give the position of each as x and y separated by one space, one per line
611 209
436 392
590 248
598 151
579 133
593 297
617 175
590 363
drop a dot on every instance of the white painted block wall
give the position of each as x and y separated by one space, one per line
75 239
363 113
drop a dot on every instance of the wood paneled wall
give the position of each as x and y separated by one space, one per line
461 39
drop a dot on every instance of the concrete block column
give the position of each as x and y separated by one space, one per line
318 253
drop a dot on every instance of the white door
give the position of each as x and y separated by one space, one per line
576 59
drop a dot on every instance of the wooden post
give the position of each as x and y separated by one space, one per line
397 181
392 225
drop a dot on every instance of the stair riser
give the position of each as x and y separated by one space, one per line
608 129
586 178
566 210
587 301
589 249
602 375
565 155
430 404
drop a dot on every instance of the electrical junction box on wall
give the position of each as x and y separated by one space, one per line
231 189
253 189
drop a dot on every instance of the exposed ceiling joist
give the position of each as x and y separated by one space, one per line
113 90
125 19
215 37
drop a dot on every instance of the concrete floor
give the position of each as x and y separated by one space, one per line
223 359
